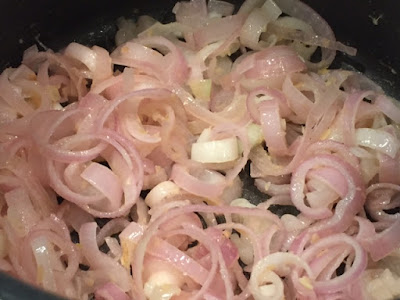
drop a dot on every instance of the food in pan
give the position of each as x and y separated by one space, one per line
121 172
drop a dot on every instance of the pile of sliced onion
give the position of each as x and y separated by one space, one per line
127 184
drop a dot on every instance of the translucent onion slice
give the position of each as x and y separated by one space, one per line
379 140
45 274
215 151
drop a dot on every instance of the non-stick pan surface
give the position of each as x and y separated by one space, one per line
372 26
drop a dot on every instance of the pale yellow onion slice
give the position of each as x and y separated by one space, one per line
215 151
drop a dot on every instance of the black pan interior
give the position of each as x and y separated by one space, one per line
372 26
